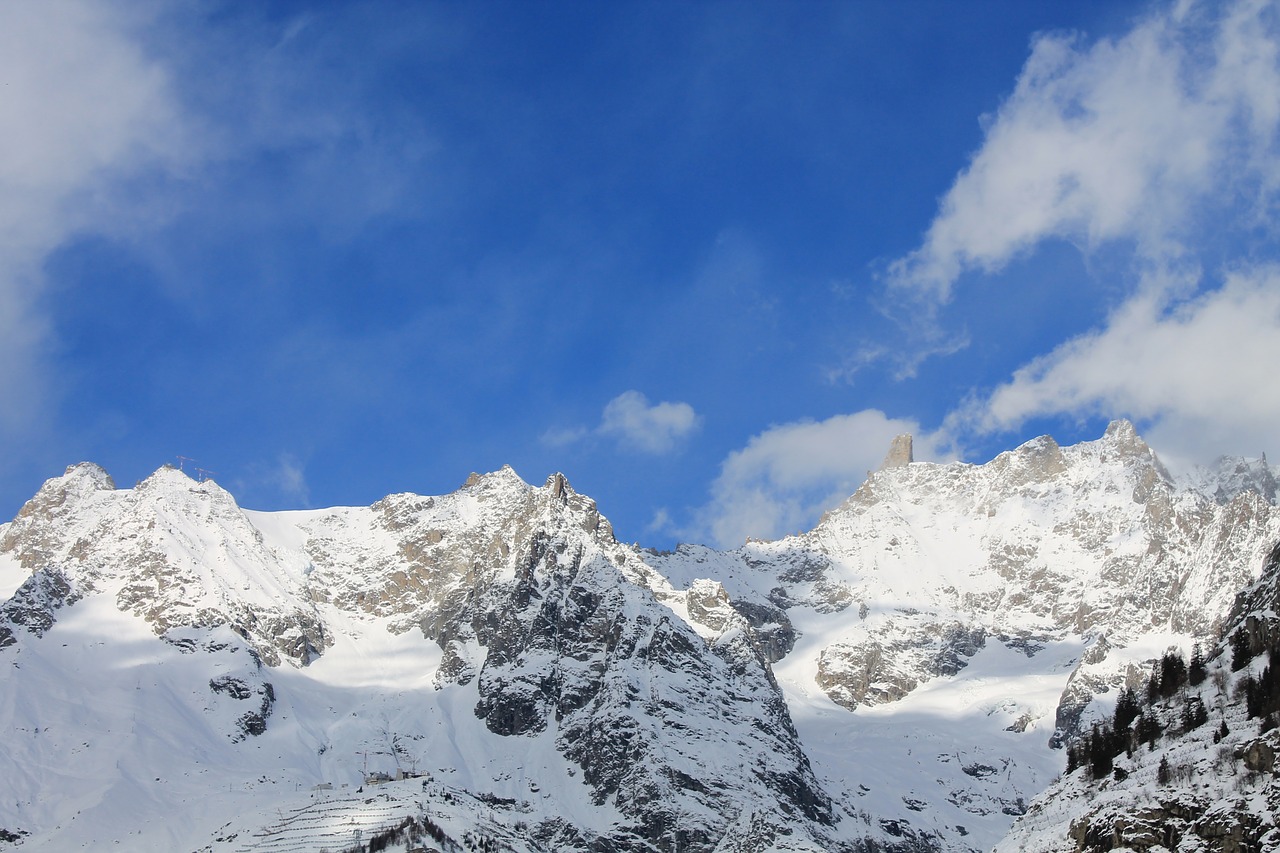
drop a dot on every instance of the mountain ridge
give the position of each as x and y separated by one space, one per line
947 621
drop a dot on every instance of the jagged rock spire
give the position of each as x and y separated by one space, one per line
900 453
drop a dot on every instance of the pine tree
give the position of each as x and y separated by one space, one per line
1162 772
1127 709
1173 674
1148 730
1153 687
1252 699
1197 671
1241 654
1100 754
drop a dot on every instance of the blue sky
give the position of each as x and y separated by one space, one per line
706 259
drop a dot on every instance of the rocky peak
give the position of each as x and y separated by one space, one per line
1122 432
1036 461
79 481
1122 442
900 453
504 479
37 531
89 474
558 485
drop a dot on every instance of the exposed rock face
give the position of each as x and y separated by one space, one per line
35 604
900 453
253 721
1255 615
566 641
887 668
1214 827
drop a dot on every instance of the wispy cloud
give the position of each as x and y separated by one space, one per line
163 132
83 112
634 424
788 475
280 482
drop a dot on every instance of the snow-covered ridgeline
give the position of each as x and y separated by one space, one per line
892 677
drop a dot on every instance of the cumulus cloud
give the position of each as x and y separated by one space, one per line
1199 372
656 428
635 424
1121 139
788 475
82 113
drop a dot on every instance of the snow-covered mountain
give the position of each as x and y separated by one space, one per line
182 674
1191 765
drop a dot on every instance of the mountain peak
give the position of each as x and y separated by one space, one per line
1121 429
1122 436
89 473
167 474
505 476
1121 441
559 485
900 453
78 482
1230 476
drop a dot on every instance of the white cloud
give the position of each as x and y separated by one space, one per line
1166 142
648 428
1124 139
1200 372
82 112
788 475
635 424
